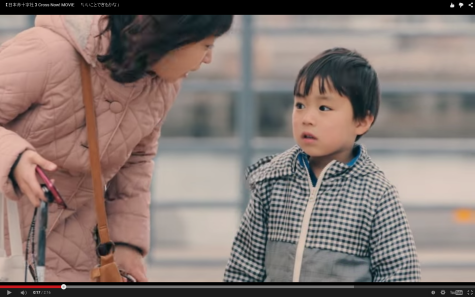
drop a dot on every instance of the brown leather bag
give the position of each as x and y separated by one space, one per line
107 270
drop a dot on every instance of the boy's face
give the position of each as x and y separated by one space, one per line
323 124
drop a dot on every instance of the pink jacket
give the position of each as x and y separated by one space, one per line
41 108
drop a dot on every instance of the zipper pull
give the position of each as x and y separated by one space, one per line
313 195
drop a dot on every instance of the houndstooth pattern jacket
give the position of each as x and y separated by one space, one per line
350 227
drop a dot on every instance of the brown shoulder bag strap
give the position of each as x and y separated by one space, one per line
107 271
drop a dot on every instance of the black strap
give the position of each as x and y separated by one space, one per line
134 247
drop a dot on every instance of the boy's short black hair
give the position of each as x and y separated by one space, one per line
350 74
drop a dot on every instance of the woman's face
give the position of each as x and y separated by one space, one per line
178 63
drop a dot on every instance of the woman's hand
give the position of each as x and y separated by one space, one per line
24 174
131 262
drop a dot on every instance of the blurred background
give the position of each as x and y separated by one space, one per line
238 109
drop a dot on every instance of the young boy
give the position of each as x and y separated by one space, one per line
323 211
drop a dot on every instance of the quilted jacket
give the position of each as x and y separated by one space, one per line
42 109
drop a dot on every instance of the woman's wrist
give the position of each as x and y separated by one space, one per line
11 174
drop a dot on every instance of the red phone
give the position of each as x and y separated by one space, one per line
51 188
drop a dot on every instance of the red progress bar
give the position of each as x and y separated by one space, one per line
31 287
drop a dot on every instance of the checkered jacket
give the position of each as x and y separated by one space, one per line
357 213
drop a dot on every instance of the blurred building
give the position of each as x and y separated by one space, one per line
426 65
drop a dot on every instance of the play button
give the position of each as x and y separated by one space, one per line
8 292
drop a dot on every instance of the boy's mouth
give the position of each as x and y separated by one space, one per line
307 135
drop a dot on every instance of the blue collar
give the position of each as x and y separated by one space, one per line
303 160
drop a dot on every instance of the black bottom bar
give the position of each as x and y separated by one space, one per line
248 291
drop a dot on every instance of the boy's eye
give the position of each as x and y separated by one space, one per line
299 105
324 108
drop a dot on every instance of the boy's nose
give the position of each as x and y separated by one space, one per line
308 119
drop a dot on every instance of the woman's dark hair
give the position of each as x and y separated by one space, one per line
138 42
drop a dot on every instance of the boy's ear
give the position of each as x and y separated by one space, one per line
363 125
